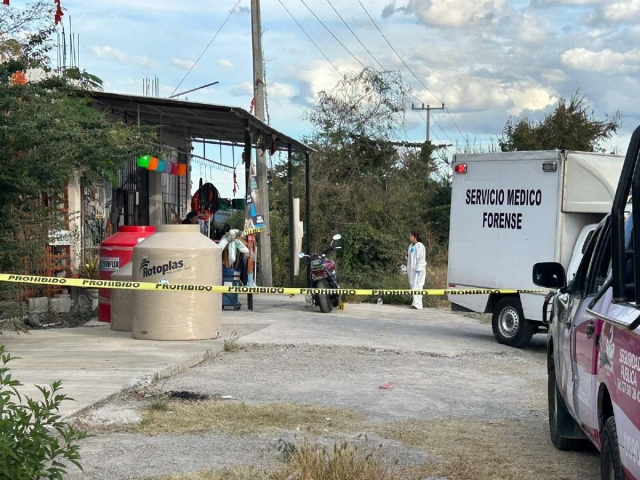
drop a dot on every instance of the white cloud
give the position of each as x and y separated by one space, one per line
554 76
533 29
280 91
117 54
457 13
109 52
622 11
226 64
468 93
604 61
182 64
244 89
565 2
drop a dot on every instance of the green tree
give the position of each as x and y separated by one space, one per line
571 126
49 132
363 184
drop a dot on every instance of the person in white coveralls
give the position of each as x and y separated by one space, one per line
416 268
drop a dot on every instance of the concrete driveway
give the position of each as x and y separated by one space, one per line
458 399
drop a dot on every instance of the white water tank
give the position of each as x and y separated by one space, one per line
177 255
122 301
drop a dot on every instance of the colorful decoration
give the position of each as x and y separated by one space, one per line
154 164
18 78
143 162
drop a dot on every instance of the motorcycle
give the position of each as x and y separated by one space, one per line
324 276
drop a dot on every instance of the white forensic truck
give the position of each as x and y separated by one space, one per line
512 210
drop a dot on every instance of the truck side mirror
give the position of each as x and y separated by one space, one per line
549 275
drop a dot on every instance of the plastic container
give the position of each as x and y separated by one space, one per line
182 169
168 166
116 251
161 164
122 301
177 255
153 164
174 169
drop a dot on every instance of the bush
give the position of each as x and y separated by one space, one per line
34 442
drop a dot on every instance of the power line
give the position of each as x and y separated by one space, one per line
408 67
356 37
207 47
331 33
310 39
380 64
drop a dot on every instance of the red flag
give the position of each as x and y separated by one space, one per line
59 12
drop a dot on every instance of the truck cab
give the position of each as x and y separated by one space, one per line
593 349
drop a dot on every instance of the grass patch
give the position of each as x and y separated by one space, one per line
309 462
240 418
159 404
343 462
504 450
235 473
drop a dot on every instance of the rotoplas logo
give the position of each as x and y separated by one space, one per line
147 271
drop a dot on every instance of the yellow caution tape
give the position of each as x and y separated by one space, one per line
168 287
253 231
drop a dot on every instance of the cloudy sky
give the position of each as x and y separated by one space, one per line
486 59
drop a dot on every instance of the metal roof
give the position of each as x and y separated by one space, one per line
195 120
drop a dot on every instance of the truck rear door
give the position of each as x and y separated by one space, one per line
504 213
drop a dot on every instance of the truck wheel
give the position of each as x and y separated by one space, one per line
509 325
323 300
610 463
559 415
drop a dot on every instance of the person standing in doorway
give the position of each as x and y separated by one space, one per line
416 268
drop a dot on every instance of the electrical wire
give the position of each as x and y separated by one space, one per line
332 34
207 47
356 37
310 39
380 64
409 68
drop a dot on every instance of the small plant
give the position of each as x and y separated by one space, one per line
34 442
231 344
90 268
159 404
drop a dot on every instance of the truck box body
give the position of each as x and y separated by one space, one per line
512 210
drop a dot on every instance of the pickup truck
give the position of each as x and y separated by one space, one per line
593 353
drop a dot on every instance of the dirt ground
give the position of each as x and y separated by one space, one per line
476 416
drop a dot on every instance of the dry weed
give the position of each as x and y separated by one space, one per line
492 450
241 418
343 462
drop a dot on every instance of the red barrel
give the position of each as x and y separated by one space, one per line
116 252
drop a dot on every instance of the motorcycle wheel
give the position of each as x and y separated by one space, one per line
323 300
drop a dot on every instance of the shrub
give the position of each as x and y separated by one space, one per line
34 441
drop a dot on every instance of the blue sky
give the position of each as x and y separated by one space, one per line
486 59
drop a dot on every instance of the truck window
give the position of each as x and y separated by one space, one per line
601 262
579 283
585 245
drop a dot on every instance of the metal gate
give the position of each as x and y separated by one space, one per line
130 202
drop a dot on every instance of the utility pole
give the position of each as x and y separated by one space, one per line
427 109
264 241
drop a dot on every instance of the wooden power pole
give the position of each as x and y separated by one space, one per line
264 238
427 109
